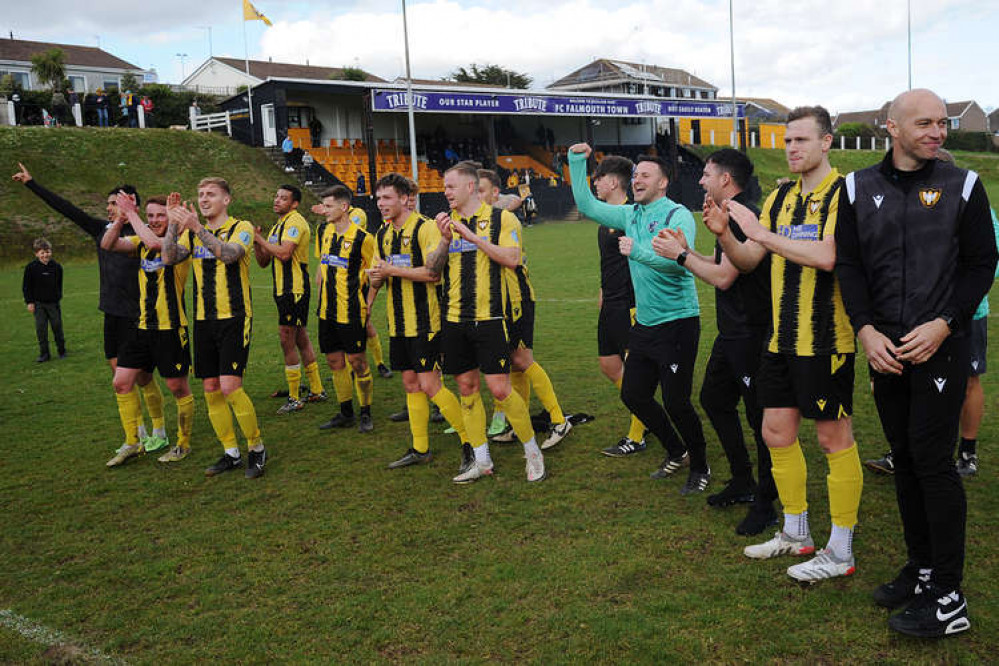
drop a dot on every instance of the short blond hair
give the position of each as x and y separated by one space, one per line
221 183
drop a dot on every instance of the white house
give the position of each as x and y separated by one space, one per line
87 68
223 76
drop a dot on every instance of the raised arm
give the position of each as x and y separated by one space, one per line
599 211
437 258
91 225
113 242
126 204
744 255
172 252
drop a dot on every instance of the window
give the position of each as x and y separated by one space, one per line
109 83
955 123
686 92
78 82
20 78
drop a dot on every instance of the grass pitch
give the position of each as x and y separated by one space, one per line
332 558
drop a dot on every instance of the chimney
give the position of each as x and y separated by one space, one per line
306 62
270 59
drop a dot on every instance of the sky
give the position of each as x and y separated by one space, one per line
843 55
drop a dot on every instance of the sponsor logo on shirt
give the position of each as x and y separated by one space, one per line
800 232
462 245
405 260
333 260
152 265
202 252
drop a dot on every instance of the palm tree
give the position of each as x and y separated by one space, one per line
49 67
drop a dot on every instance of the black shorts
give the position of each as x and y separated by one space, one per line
978 340
419 354
820 387
522 328
221 347
476 344
167 352
118 331
613 327
346 338
293 309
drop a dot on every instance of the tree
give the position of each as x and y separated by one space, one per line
853 130
348 73
49 66
129 82
493 75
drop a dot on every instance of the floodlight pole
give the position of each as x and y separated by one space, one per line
908 26
409 101
731 44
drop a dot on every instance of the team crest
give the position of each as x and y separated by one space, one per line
929 196
813 207
482 224
405 240
346 244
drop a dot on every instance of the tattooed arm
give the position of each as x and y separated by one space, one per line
227 253
435 260
173 252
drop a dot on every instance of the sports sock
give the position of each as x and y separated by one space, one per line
185 421
233 451
448 403
796 525
482 454
365 387
342 385
474 416
841 542
221 418
375 347
129 411
315 380
516 413
790 475
636 431
293 373
154 404
967 446
845 483
531 446
419 419
546 392
246 415
140 428
521 383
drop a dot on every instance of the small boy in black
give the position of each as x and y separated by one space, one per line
42 287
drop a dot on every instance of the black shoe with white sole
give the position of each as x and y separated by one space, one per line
935 613
255 462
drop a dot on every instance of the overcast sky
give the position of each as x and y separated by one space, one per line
841 54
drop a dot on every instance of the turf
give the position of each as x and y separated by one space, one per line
332 558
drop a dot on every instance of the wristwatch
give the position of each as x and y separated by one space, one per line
682 257
949 320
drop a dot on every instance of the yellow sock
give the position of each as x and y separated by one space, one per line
293 373
221 418
791 476
375 347
636 431
185 421
130 412
154 404
365 388
845 483
522 385
546 392
516 414
419 418
315 381
246 415
342 385
474 416
448 403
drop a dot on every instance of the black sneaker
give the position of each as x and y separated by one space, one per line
697 482
384 371
967 463
736 491
400 417
435 415
899 592
365 424
63 353
467 458
412 457
224 464
670 466
885 465
935 613
757 519
625 447
341 420
255 464
42 358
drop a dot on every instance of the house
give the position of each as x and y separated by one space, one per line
223 76
876 118
994 122
762 109
87 68
619 77
967 117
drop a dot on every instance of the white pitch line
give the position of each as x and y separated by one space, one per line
39 633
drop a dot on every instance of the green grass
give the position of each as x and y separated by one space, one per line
332 558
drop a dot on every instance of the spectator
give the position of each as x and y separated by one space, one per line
316 132
287 147
308 162
360 189
550 135
102 108
60 108
133 108
194 109
42 288
147 109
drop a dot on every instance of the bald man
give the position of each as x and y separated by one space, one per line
915 254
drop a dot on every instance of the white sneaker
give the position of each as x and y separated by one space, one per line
557 433
824 565
781 544
474 473
506 437
536 467
124 453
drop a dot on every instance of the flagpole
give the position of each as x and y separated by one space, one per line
409 100
249 84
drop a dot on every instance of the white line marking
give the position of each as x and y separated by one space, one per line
39 633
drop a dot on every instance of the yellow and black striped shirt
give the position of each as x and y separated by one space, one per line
518 285
413 308
356 215
474 284
809 318
291 276
161 287
342 263
222 291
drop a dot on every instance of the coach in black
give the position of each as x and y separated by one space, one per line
915 254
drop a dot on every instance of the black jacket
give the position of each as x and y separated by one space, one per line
913 246
42 282
119 286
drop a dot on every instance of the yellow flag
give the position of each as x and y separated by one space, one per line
250 13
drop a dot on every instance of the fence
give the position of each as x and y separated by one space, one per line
206 122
